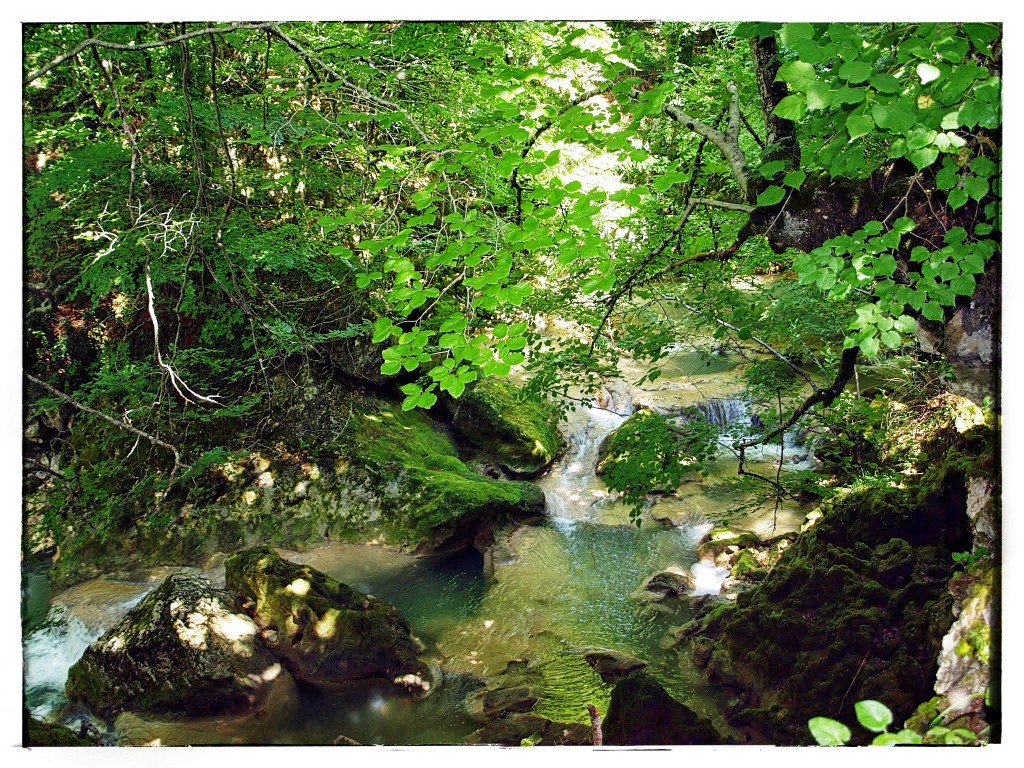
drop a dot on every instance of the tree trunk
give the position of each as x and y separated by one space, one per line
780 134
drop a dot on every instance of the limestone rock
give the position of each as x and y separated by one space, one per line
673 581
323 631
186 648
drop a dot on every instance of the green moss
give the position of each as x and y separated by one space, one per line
520 430
39 734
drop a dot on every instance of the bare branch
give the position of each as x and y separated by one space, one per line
108 419
726 141
97 42
796 369
723 204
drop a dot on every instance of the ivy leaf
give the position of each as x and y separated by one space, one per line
771 196
828 732
873 715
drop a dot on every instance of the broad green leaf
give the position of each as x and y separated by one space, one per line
793 33
896 117
855 71
976 187
794 179
872 715
884 83
957 198
770 169
859 125
797 74
932 311
792 107
922 158
828 732
771 196
870 346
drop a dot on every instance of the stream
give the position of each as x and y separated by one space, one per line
551 591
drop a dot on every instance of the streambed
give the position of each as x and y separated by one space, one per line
546 593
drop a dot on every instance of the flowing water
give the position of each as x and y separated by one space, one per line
550 592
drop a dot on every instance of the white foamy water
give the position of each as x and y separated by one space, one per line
571 486
708 577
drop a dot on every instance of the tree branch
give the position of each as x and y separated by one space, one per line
726 141
847 366
97 42
109 420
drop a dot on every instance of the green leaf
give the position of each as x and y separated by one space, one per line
792 107
896 117
891 339
797 74
770 169
976 187
983 166
873 715
794 179
794 33
922 158
884 83
771 196
956 198
456 388
828 732
870 346
933 311
855 71
859 125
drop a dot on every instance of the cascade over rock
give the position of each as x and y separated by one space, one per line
186 648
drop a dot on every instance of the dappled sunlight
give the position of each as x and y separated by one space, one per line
299 587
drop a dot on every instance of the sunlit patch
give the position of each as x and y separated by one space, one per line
378 704
489 623
271 673
327 625
299 587
193 632
233 627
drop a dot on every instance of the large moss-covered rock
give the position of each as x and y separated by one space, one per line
520 430
855 609
323 631
641 712
534 730
186 648
39 734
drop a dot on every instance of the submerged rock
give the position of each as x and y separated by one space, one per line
519 430
324 631
186 648
612 666
641 712
617 397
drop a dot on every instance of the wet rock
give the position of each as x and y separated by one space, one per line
323 631
747 568
617 397
612 666
641 712
186 648
859 597
673 581
39 734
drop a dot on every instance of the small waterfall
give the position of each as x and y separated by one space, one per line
571 486
725 412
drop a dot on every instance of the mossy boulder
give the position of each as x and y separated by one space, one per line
186 648
641 712
746 567
519 429
39 734
323 631
859 598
